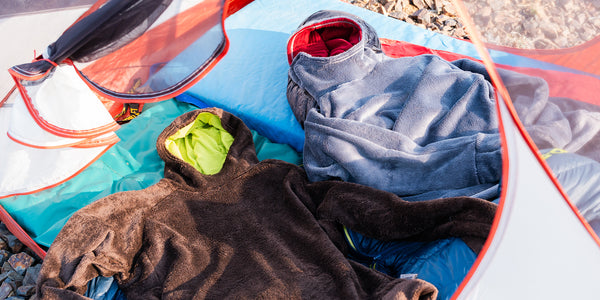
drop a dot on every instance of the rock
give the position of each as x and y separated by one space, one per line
542 43
422 16
6 290
531 29
400 15
409 9
32 274
13 243
587 35
451 23
4 230
25 290
410 21
438 4
19 270
404 3
419 4
562 41
4 255
20 262
484 16
441 18
15 278
389 7
549 31
430 4
448 8
432 27
6 267
3 245
551 24
461 33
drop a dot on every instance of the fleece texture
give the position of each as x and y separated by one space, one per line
420 127
252 230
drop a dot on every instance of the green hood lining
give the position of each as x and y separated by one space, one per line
203 143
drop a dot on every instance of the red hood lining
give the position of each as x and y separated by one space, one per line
324 39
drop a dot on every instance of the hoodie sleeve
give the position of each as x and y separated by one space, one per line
101 239
385 216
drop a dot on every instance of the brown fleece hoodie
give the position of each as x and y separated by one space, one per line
251 230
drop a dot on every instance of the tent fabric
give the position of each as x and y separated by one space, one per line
86 40
47 137
12 8
249 25
528 184
532 272
580 177
23 47
106 26
131 164
131 73
570 40
565 113
251 34
125 166
570 58
40 83
123 66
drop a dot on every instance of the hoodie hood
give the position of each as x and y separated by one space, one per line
206 144
328 42
328 32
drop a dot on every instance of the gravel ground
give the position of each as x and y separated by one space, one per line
19 267
527 24
435 15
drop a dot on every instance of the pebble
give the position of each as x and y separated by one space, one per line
20 268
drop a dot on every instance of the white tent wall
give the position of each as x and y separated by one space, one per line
19 7
540 248
27 35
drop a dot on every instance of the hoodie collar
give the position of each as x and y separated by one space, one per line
323 73
233 135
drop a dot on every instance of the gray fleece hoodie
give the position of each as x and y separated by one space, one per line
420 127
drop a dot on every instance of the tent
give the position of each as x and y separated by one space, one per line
541 245
560 221
49 142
